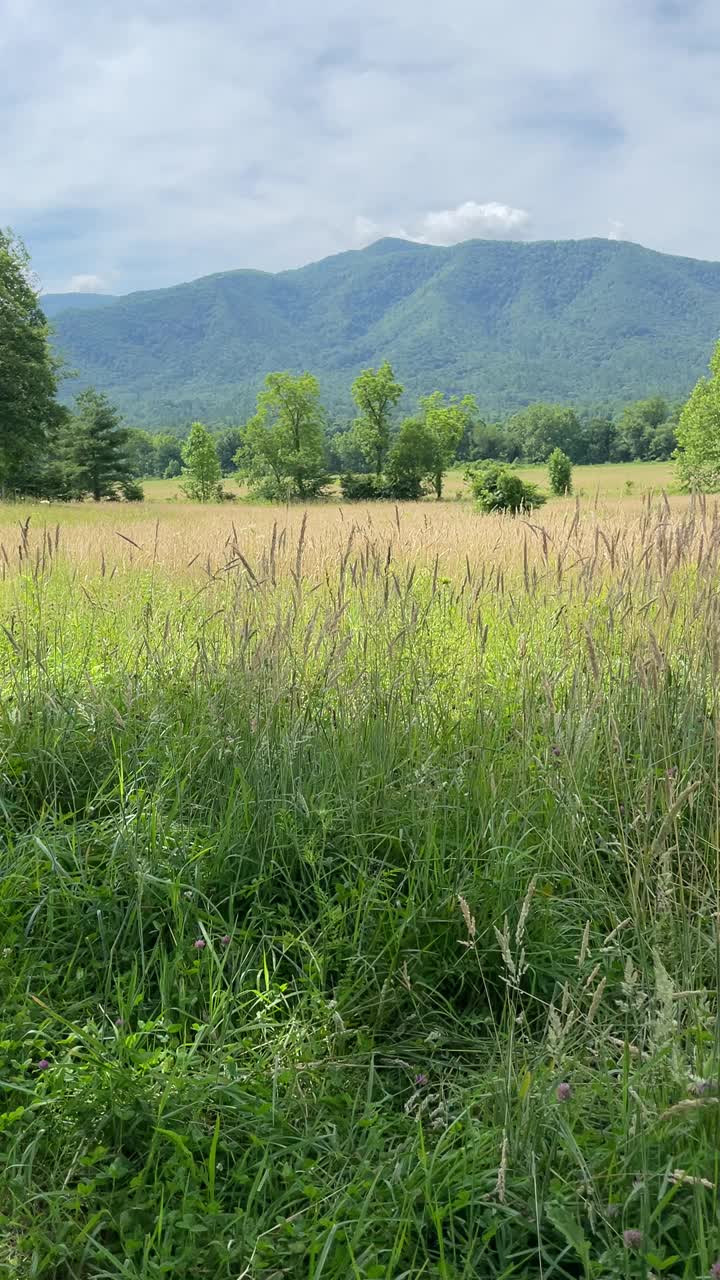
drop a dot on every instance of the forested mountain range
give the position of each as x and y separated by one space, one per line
593 322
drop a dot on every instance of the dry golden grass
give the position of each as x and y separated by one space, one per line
452 537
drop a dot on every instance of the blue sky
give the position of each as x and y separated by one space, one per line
159 140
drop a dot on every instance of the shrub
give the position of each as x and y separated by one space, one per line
560 472
496 487
132 491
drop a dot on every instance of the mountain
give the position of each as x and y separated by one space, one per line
587 321
52 303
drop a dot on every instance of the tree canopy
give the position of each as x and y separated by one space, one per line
29 412
698 433
283 445
375 392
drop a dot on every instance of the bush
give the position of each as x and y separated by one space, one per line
560 472
362 488
132 491
496 487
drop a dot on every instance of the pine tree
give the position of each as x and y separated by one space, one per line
94 451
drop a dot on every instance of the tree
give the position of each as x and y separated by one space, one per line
141 452
638 426
599 439
227 443
413 456
168 456
560 472
201 466
29 413
698 433
94 450
283 445
375 393
544 427
497 487
445 424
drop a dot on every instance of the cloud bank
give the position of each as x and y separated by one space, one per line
157 141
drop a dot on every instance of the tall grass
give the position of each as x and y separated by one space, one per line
360 896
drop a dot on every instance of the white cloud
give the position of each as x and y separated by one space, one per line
87 284
469 221
473 221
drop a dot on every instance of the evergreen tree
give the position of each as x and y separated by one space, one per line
201 469
29 413
94 451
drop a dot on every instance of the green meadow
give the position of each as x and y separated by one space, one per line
359 877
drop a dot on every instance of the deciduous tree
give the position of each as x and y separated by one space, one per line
698 433
283 445
29 413
201 466
375 392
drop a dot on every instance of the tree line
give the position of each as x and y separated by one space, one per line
291 448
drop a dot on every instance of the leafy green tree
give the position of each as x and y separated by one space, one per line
560 472
375 392
94 450
599 434
227 443
413 456
497 487
544 427
637 427
283 445
445 425
168 456
141 452
29 413
201 466
698 433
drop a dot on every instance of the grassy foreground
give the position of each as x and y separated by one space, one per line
359 894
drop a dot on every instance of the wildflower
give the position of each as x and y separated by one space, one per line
199 944
119 1022
226 939
421 1080
43 1065
632 1238
715 1270
563 1092
188 894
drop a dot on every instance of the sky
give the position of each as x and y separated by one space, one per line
156 141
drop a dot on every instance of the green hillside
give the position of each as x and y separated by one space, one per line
588 321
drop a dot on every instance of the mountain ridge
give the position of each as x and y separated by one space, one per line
591 321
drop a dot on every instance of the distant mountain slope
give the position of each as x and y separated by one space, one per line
587 320
53 303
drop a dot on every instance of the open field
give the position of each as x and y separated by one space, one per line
361 892
610 481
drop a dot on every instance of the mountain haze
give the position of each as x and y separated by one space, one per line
589 321
52 303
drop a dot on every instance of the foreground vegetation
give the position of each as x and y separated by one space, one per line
360 893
